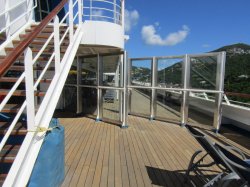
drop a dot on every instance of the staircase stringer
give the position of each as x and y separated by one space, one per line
22 167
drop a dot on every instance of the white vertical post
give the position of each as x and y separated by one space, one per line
80 11
129 84
117 72
99 90
90 10
114 11
29 85
57 45
71 21
185 94
7 18
221 59
79 89
154 91
121 85
125 93
30 13
123 14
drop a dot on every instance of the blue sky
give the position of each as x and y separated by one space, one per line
175 27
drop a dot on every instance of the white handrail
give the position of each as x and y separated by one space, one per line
42 49
13 7
18 18
26 147
64 35
10 93
12 126
99 12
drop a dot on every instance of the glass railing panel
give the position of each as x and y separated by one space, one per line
201 108
168 105
89 71
169 73
112 71
72 76
70 98
89 101
141 72
140 102
203 72
111 104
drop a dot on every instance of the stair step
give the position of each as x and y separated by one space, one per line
6 124
7 159
36 50
46 30
20 93
10 150
2 178
43 58
65 43
11 108
13 80
41 35
21 68
51 26
22 130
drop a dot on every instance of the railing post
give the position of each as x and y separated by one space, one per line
129 84
153 84
123 14
57 45
71 21
125 92
221 59
185 93
121 85
30 12
114 11
99 90
80 8
79 89
7 19
90 9
29 85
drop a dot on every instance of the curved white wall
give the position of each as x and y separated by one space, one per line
103 33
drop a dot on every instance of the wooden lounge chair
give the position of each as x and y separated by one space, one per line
232 167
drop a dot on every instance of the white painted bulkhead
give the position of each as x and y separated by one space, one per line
101 33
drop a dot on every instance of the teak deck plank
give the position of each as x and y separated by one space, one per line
148 153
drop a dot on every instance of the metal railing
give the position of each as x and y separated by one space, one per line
104 10
24 162
184 88
120 85
7 15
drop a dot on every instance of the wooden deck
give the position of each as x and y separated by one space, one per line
148 153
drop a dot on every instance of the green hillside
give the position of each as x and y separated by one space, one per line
203 75
237 74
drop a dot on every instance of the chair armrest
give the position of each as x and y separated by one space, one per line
236 150
194 135
245 168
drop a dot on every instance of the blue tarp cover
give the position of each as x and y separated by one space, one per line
49 167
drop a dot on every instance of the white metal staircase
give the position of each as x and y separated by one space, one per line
32 75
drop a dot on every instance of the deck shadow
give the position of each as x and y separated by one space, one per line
166 178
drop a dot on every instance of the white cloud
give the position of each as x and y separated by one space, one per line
150 36
157 24
131 19
206 45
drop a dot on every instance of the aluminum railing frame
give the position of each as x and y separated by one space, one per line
185 89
